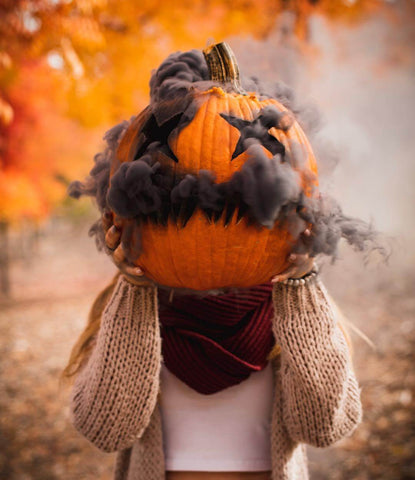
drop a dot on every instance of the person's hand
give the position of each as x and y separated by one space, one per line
113 233
300 264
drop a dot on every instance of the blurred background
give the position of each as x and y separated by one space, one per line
70 69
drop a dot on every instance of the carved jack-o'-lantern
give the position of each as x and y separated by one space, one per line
209 175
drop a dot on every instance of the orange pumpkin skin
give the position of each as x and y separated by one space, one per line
203 255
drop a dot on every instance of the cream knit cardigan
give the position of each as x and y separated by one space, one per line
316 398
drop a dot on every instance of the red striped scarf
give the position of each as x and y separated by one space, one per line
216 341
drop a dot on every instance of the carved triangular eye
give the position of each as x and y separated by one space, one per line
152 132
254 129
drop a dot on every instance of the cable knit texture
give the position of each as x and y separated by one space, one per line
316 399
115 394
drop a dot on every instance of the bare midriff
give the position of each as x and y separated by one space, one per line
177 475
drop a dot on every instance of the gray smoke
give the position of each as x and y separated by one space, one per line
132 190
96 185
266 185
172 83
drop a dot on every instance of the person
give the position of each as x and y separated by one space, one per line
122 394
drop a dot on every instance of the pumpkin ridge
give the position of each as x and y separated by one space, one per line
186 118
150 239
241 113
219 224
172 255
208 269
213 271
205 122
285 241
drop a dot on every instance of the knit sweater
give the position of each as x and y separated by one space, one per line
316 399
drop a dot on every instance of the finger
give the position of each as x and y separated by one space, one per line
132 270
288 273
107 220
300 265
298 258
118 256
306 240
118 221
112 237
139 281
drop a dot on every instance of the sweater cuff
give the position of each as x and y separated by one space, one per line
305 304
124 281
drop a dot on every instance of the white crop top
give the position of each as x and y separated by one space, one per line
226 431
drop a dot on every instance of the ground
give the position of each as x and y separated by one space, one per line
52 292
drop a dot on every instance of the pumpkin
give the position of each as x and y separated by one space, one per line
183 245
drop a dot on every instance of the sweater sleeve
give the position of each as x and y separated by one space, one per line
321 397
115 393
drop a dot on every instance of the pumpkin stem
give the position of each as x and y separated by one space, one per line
223 66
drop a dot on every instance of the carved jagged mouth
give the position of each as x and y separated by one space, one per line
182 211
180 208
185 198
262 191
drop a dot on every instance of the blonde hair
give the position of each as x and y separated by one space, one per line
342 322
83 346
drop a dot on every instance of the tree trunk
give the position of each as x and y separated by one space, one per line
4 259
